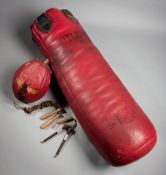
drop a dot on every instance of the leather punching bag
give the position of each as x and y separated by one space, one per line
111 119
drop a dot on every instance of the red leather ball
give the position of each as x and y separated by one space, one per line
31 81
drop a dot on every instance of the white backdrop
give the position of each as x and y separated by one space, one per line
132 37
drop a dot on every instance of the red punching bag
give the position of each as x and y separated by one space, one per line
110 117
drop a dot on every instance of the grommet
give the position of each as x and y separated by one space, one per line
69 15
43 23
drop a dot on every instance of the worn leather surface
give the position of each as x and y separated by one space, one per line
31 81
112 120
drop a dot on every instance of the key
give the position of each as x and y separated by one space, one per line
67 136
65 127
54 118
47 123
63 121
45 116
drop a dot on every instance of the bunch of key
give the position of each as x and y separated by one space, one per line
57 118
69 129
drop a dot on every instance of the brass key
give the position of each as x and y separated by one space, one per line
45 116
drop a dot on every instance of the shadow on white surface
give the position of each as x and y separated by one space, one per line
91 153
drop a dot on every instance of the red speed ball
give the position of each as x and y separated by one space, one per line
31 81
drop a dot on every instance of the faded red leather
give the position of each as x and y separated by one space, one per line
112 120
